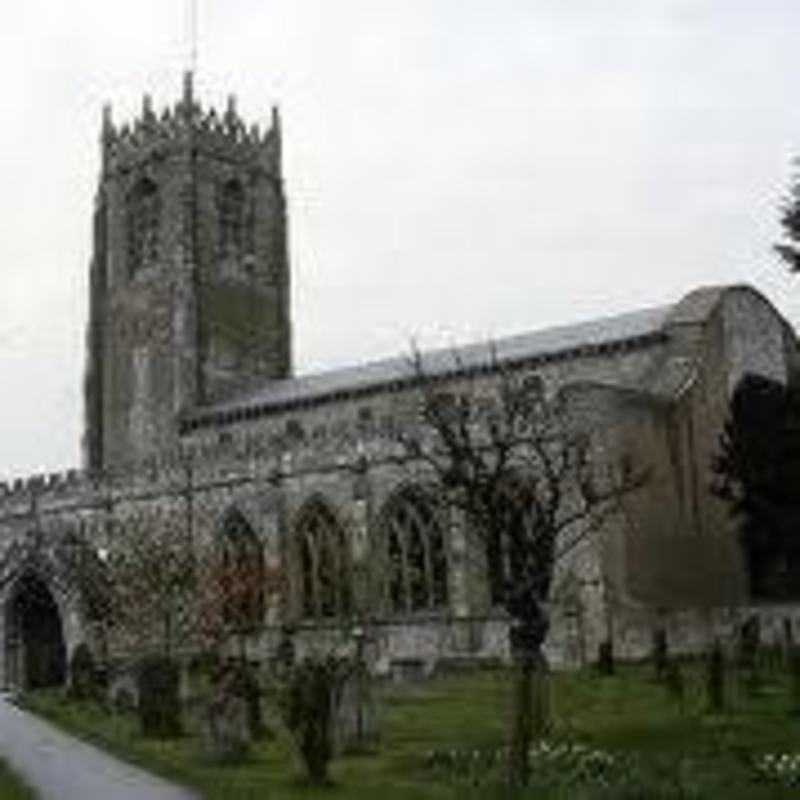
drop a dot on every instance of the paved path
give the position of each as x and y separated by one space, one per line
59 767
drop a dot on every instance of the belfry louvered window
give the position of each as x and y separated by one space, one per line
143 214
417 576
324 561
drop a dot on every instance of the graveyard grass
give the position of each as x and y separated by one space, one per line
708 754
11 787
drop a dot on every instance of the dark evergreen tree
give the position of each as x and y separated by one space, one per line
789 249
757 469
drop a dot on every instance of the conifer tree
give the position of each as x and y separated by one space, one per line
789 248
756 469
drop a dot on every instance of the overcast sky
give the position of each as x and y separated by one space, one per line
455 169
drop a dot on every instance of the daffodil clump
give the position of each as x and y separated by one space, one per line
557 762
775 768
575 762
473 766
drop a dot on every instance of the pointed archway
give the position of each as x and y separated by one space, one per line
35 651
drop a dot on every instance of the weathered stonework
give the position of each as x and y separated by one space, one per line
192 411
190 282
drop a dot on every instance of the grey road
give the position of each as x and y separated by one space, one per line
60 767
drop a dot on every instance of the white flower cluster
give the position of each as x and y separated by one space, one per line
784 768
562 761
583 764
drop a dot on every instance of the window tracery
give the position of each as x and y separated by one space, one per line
242 576
417 577
324 562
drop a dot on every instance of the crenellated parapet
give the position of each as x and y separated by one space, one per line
25 496
56 483
187 123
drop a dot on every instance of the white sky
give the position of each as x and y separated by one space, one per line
455 169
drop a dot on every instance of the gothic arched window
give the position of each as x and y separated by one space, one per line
231 210
242 572
143 214
417 577
324 561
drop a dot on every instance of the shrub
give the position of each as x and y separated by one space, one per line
307 696
159 698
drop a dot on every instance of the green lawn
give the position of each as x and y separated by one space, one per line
11 787
676 745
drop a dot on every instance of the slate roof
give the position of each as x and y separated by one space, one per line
559 342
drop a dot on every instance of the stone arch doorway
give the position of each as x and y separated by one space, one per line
35 651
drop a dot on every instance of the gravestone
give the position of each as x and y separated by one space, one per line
407 670
355 713
749 640
226 729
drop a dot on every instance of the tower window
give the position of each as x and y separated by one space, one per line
143 214
231 207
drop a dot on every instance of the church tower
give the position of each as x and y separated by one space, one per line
189 277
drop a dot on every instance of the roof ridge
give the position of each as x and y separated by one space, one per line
562 342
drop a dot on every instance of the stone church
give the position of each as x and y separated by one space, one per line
193 412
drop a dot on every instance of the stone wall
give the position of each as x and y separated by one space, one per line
657 405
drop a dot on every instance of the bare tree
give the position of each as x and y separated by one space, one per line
530 485
152 611
171 597
152 575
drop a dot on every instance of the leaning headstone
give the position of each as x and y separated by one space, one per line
660 652
226 728
355 713
123 700
159 697
83 683
788 640
605 658
749 640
